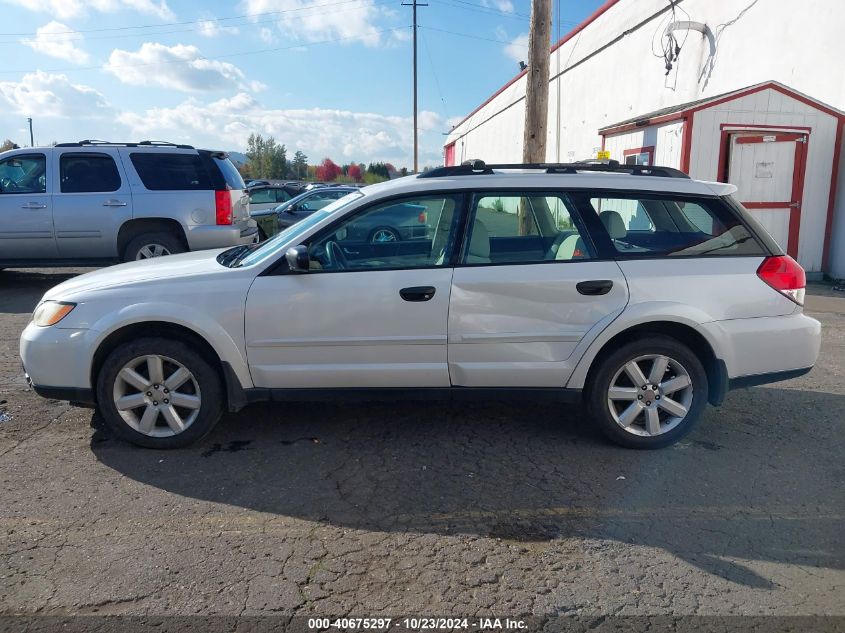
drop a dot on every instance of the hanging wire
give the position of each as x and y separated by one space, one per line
669 48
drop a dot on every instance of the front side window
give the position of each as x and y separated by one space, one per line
521 228
644 225
88 173
168 171
414 232
23 174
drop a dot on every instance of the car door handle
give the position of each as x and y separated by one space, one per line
34 205
114 203
594 287
417 293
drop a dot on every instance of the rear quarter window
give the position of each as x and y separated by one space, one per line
231 176
170 171
671 226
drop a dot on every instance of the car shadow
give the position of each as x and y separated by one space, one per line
755 482
20 289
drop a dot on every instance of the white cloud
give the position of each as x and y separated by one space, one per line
64 9
301 20
177 67
213 28
58 40
50 95
517 49
339 134
505 6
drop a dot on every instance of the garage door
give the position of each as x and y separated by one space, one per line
768 170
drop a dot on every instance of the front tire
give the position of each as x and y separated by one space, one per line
649 393
159 393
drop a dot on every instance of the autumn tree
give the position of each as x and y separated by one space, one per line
328 170
7 145
354 172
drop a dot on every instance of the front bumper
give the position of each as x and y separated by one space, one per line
56 362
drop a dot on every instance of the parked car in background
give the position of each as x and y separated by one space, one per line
96 202
269 196
271 221
256 183
633 289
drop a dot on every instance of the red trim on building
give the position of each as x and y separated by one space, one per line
686 144
831 202
449 155
590 19
681 114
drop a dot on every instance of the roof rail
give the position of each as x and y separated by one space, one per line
95 143
479 167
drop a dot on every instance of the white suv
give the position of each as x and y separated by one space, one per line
635 289
94 202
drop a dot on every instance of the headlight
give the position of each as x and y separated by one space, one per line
51 312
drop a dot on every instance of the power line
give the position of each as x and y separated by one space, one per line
467 35
204 57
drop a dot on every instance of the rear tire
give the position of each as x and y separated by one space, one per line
159 393
659 391
149 245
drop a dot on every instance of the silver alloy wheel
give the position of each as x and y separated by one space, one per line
653 403
157 396
152 250
384 235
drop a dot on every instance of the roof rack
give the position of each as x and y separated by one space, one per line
479 167
95 143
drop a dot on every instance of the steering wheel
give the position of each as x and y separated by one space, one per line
335 256
7 184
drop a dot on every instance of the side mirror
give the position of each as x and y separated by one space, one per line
297 258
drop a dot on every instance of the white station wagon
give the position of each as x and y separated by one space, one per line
635 289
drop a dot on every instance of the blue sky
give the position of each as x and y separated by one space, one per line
329 77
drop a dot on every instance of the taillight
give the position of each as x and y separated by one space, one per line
223 206
785 275
422 218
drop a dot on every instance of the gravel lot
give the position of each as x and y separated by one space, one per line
368 510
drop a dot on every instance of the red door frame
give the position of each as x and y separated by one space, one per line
449 155
802 140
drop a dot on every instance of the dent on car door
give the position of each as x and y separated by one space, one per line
26 210
361 316
93 201
529 293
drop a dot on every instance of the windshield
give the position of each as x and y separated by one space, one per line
254 253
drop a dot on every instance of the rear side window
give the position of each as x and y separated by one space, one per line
262 196
88 173
649 225
230 173
160 171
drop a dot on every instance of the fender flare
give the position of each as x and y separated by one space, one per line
641 314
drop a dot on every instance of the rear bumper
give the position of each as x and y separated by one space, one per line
765 346
206 236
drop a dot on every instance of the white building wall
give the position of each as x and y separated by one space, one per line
836 266
602 87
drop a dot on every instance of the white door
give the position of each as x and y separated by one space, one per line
366 314
767 169
527 293
92 202
26 213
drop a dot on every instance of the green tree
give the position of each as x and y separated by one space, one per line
299 165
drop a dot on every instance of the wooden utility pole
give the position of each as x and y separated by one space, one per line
414 4
537 85
536 100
